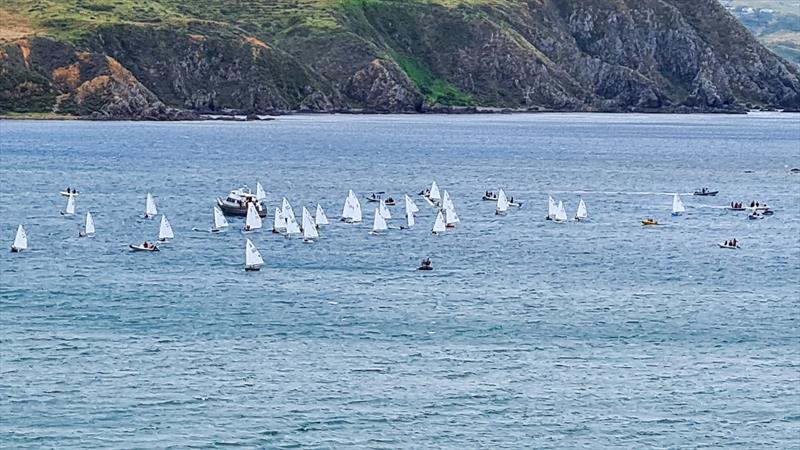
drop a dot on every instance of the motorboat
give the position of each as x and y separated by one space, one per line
755 215
237 201
489 196
706 192
426 264
648 222
726 245
145 247
375 196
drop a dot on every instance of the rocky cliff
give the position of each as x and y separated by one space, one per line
208 56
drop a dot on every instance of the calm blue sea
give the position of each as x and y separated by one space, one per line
528 334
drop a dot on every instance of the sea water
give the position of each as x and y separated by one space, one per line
528 333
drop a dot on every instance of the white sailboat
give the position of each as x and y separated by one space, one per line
150 209
292 227
351 213
252 257
409 214
287 211
165 231
434 195
450 218
552 208
502 204
438 225
88 227
309 227
70 206
561 213
677 205
220 222
379 224
20 240
278 223
319 217
582 212
261 194
253 221
410 205
384 210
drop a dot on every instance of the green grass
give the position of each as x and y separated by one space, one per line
435 90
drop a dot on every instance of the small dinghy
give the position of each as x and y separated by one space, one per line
165 230
438 224
351 212
426 264
20 240
410 205
70 211
88 226
390 202
552 208
384 210
68 193
729 246
309 227
379 223
649 222
289 219
319 217
252 257
145 247
450 215
220 222
735 206
375 196
502 204
434 196
253 221
705 192
755 215
582 213
150 209
489 196
677 205
561 213
261 194
409 215
278 222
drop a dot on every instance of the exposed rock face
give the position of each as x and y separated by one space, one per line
387 56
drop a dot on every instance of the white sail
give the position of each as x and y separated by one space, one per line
447 202
165 232
356 208
88 228
21 239
346 209
260 193
502 202
292 227
379 224
450 217
410 205
287 212
70 205
219 219
434 193
677 205
253 219
552 208
582 212
384 210
150 206
409 214
309 227
252 257
561 213
278 222
438 225
319 217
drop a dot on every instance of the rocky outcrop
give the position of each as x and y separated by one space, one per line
393 56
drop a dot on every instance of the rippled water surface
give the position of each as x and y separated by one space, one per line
527 334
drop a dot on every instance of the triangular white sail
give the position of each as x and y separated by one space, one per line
677 205
287 212
379 224
220 221
447 203
292 227
260 193
352 208
438 225
252 257
582 212
278 223
384 210
253 221
88 228
409 214
165 231
319 217
410 205
150 206
502 202
552 208
434 193
309 227
450 217
21 239
561 213
70 205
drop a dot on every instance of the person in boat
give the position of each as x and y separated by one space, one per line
511 200
247 227
426 264
734 242
146 244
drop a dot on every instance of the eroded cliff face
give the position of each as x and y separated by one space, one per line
387 56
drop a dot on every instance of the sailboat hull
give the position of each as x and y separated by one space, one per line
252 268
230 209
139 248
15 250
